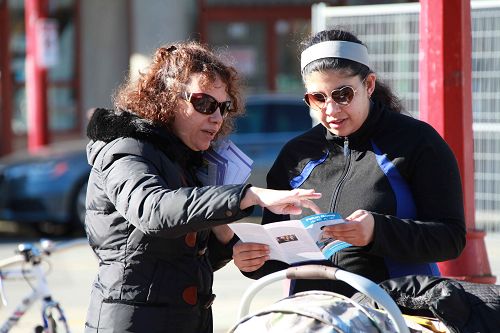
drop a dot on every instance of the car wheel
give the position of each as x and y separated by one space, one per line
79 204
51 229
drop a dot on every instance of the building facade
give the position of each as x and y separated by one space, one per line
99 43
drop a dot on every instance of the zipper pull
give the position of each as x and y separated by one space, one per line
347 151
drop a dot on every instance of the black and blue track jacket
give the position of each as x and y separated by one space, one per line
396 167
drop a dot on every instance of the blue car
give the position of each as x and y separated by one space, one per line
48 189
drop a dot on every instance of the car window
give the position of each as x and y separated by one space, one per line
278 117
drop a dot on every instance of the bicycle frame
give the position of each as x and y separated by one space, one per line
40 291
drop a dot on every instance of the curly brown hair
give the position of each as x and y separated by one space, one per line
155 94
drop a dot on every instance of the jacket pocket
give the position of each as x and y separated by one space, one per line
175 283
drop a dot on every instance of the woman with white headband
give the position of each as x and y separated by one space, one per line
392 177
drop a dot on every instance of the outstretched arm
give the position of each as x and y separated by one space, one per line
281 201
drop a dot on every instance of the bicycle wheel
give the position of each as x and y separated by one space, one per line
51 324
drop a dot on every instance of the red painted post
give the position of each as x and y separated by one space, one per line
5 82
36 78
446 104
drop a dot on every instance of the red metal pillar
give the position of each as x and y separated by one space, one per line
5 82
272 57
446 103
36 77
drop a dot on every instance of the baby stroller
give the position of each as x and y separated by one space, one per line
320 311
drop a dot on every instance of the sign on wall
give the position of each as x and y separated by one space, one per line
47 47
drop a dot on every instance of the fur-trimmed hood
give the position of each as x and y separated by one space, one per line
106 125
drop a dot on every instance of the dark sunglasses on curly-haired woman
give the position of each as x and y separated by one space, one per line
206 104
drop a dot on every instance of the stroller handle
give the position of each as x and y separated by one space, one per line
311 272
316 272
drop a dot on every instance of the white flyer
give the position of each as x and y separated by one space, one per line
294 240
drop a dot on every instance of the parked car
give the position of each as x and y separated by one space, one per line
48 189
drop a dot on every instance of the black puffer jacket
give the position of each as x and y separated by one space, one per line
149 227
464 307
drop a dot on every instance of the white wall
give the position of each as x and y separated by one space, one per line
155 23
111 29
104 57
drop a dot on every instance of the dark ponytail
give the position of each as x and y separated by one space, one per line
384 96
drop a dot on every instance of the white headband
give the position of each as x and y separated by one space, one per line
335 49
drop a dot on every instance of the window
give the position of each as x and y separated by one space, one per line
61 79
274 116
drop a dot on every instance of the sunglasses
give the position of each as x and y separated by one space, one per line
342 96
206 104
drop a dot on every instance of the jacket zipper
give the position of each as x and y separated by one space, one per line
347 155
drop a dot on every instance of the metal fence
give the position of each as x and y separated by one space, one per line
391 33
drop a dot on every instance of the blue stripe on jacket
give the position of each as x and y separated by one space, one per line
405 209
300 179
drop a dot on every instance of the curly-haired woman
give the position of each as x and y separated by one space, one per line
157 232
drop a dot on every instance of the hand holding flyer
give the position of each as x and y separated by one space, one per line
295 240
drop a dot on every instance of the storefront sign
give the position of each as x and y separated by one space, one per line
47 46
